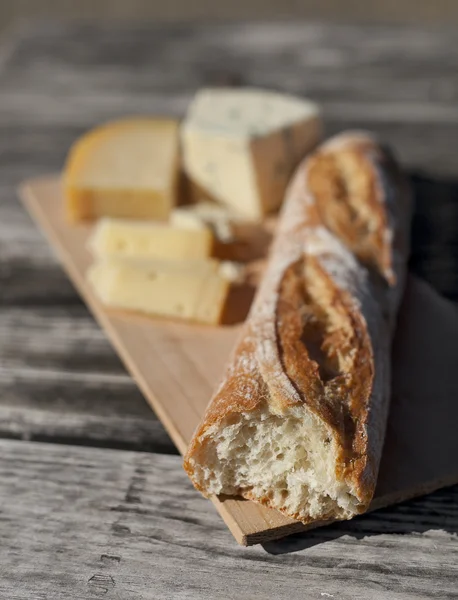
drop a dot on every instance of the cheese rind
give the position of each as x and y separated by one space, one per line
123 238
126 168
240 146
194 294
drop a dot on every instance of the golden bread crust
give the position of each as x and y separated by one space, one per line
320 328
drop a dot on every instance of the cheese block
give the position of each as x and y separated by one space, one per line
219 219
176 289
126 168
240 146
140 239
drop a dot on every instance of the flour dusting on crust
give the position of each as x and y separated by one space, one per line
299 418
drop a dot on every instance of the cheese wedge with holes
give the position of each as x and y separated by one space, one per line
126 168
177 289
139 239
241 146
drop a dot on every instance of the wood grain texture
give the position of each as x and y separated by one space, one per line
60 380
177 366
416 11
80 523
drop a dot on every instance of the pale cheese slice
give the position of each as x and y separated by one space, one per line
127 168
178 289
139 239
241 145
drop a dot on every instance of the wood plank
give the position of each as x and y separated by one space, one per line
83 414
61 380
417 11
177 366
82 523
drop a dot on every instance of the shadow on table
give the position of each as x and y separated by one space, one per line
435 512
434 255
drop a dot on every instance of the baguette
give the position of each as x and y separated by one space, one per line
299 419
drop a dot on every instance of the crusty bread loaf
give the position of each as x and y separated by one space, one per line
299 419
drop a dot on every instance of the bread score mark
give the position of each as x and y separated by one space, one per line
326 353
347 191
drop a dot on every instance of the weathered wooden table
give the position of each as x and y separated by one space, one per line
93 500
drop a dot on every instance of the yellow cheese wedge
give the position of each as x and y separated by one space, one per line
126 168
119 237
176 289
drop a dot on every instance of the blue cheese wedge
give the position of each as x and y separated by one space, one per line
240 146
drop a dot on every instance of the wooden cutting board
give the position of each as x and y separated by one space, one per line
177 366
